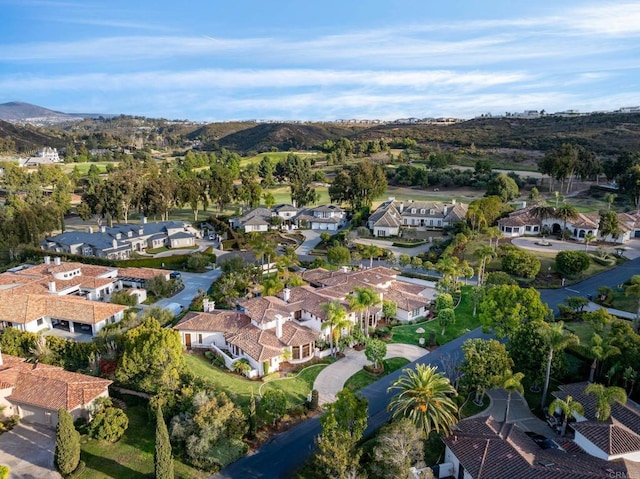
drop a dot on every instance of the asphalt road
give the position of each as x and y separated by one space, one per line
612 278
280 457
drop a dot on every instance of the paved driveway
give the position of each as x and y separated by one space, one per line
415 251
28 451
332 378
192 283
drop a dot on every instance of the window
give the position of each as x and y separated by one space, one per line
423 211
306 350
295 352
40 322
413 211
432 212
199 338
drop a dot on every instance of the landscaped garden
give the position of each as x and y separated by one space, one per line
363 378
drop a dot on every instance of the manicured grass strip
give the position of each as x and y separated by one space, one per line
465 322
296 388
132 455
362 378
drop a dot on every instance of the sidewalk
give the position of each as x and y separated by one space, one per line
332 378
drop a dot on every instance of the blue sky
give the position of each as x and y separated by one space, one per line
319 60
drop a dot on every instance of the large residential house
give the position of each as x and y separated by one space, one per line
69 296
482 448
45 156
120 241
392 216
266 329
35 392
325 217
523 223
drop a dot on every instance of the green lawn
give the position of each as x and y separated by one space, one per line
465 322
362 378
623 302
240 389
583 330
84 167
276 156
132 455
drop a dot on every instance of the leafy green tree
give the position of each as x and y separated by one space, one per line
67 452
109 423
571 263
124 298
375 351
499 278
503 187
404 260
446 317
484 365
634 290
198 262
389 309
159 286
521 263
4 471
506 307
368 181
297 171
220 180
273 405
486 211
338 255
556 340
630 184
444 301
609 225
605 398
371 251
568 408
162 458
266 169
152 360
566 212
399 445
424 396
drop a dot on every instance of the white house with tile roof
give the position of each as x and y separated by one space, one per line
35 392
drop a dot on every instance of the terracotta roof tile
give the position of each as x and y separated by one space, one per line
219 320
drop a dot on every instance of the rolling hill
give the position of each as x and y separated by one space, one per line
29 138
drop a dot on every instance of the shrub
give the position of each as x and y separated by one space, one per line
67 452
109 423
313 404
124 298
241 366
4 472
571 263
498 278
520 263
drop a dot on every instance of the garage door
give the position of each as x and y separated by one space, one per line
637 234
37 415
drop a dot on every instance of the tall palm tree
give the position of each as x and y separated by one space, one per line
610 198
606 397
361 300
483 253
371 251
512 383
542 212
568 407
600 350
493 233
634 290
588 238
336 321
566 212
556 339
425 397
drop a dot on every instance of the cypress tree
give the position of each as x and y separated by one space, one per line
67 455
163 461
253 420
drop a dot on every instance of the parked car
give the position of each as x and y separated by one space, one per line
175 275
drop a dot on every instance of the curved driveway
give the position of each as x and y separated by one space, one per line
332 378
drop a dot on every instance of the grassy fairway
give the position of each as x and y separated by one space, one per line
132 455
465 322
84 167
276 156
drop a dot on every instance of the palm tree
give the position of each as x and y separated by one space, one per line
629 376
542 212
556 339
610 198
588 238
634 290
606 397
371 251
425 397
361 300
511 383
566 212
483 253
568 408
493 233
599 351
336 320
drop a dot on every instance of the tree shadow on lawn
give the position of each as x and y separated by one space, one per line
109 467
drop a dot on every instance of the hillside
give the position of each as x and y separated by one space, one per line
29 138
284 136
605 134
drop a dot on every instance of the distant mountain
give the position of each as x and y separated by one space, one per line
21 112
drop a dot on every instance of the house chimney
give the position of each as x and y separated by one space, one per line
47 260
345 269
453 201
401 207
114 243
140 231
52 286
208 305
56 261
103 229
279 322
90 230
143 220
381 296
286 294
